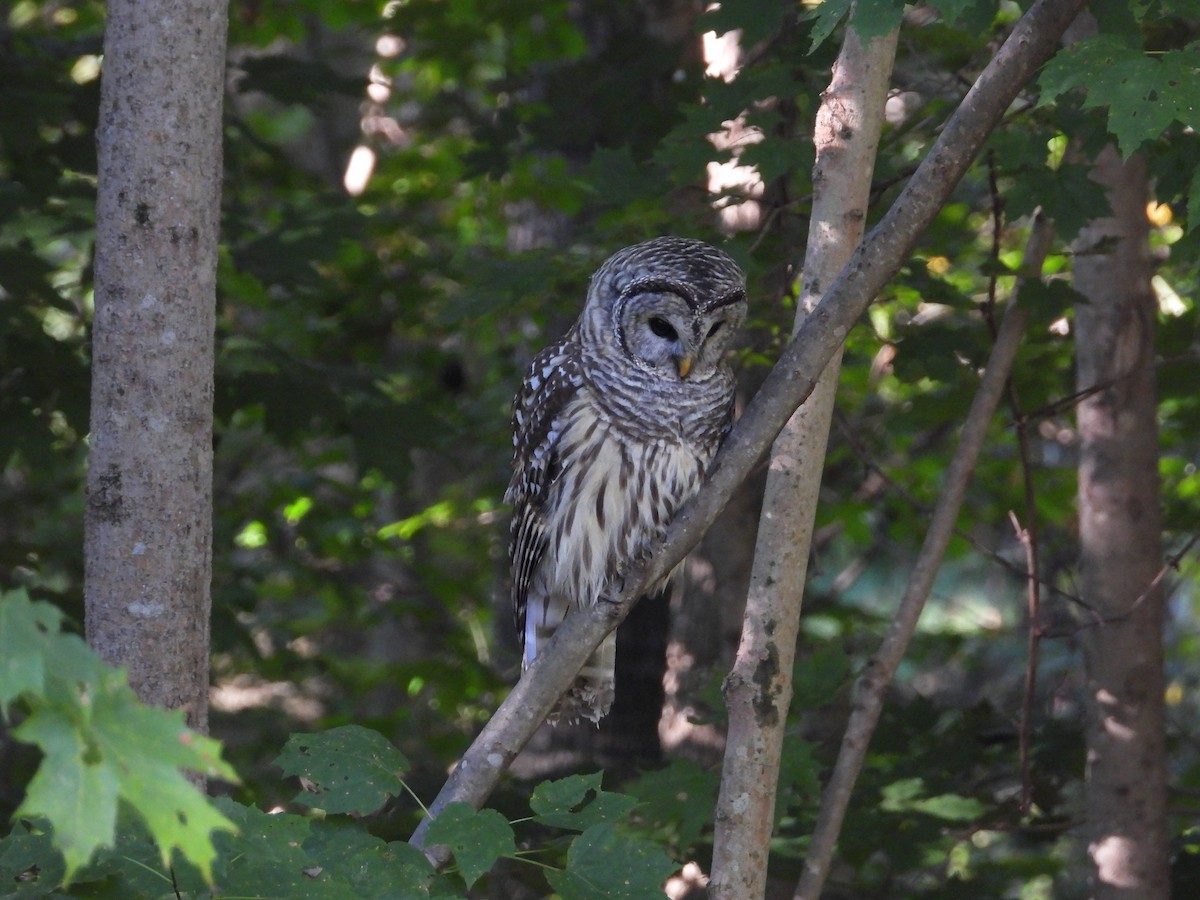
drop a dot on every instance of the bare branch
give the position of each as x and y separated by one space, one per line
1036 249
1033 606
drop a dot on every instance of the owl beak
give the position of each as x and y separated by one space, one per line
683 365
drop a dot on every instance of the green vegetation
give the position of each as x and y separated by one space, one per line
368 348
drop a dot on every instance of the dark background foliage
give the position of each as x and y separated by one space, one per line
369 344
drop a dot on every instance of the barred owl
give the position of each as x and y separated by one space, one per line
614 427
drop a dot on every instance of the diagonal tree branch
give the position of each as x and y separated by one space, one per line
1032 42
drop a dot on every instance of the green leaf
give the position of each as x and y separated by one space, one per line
871 19
147 748
826 17
345 770
1193 202
680 796
281 855
951 807
577 802
73 788
905 796
29 861
476 838
875 18
267 851
970 15
1144 94
23 629
351 856
1066 195
617 178
604 865
101 744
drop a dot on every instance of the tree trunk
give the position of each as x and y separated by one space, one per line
758 691
148 545
1120 542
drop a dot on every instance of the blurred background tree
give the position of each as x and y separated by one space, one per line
415 194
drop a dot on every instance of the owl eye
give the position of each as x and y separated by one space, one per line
663 328
716 326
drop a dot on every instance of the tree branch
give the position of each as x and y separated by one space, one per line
1031 43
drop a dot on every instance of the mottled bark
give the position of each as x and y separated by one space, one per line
758 691
1120 526
149 488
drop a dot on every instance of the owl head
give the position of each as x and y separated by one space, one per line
669 306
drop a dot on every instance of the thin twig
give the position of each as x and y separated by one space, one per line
1098 620
1041 234
1024 740
989 306
1171 563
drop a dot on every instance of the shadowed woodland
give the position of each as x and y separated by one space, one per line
414 196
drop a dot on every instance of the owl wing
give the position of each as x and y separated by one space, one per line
551 382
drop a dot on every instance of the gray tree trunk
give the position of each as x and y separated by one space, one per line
148 544
758 691
1120 542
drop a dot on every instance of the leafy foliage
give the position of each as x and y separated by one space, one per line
331 855
1144 94
100 746
476 837
591 875
577 803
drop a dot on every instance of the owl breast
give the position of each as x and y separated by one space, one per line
614 498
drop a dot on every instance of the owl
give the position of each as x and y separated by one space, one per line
613 429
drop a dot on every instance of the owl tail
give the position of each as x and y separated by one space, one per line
591 694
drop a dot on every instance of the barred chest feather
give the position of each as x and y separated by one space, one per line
613 498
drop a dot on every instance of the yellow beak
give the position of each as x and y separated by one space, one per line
684 365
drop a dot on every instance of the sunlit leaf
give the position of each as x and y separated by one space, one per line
101 745
1144 93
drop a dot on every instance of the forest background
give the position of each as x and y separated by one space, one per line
414 197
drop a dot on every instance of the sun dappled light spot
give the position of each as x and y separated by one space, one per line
86 68
358 170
